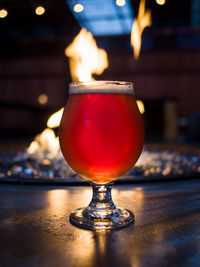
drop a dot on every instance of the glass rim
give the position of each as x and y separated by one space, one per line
101 86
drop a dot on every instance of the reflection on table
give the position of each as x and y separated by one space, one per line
35 230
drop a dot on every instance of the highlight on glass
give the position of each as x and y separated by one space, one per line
101 137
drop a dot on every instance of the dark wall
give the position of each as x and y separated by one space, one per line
157 76
22 80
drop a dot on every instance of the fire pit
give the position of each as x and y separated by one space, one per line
44 167
42 161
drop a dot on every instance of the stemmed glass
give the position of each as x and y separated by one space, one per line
101 137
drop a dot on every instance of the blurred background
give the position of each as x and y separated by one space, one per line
35 71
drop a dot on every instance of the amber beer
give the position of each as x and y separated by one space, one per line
101 131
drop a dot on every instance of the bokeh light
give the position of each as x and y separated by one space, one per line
160 2
120 2
78 8
40 10
42 99
3 13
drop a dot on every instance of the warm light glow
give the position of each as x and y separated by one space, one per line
85 58
136 193
78 8
3 13
43 99
160 2
39 10
34 146
140 23
140 105
54 120
88 244
48 140
57 200
120 2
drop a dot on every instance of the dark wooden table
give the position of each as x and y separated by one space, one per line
35 231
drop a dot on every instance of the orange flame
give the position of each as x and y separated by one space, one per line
85 58
46 142
140 23
140 105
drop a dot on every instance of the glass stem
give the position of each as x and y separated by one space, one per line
101 205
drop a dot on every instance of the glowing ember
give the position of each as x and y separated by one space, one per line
85 58
140 23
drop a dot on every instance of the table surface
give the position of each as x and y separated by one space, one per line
35 231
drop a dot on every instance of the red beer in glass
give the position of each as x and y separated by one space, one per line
101 132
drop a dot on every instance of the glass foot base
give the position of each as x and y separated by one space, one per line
84 218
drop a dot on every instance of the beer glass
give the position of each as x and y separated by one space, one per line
101 137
